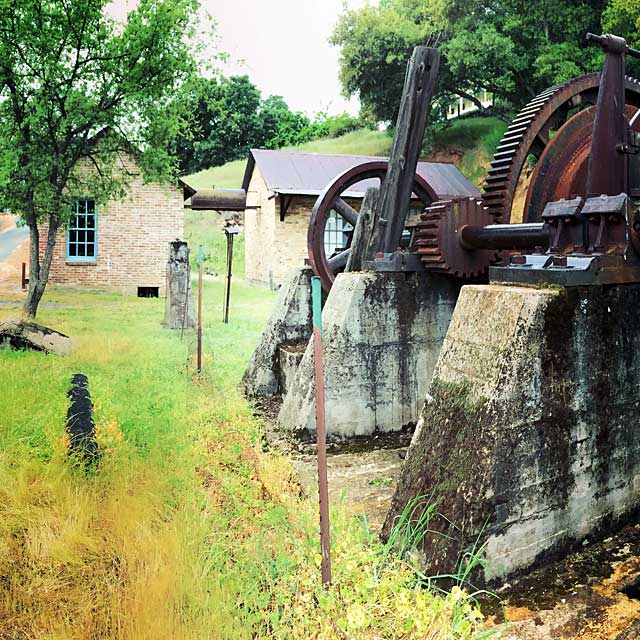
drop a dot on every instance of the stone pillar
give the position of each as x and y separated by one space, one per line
179 311
382 335
531 435
289 326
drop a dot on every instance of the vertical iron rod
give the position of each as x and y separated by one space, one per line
24 276
323 485
229 263
200 254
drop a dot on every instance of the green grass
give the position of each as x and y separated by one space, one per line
476 137
361 142
203 228
189 528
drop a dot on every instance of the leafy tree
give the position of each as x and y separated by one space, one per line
78 90
512 48
229 116
281 127
224 122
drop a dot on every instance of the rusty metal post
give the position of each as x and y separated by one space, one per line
321 433
24 276
200 261
230 233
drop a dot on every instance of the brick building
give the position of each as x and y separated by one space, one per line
281 188
121 246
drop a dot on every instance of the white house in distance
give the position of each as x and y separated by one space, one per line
281 188
463 106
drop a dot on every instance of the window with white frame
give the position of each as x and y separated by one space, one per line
336 233
82 234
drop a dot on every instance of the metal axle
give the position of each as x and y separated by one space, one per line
505 236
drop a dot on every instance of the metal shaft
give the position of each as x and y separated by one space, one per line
505 236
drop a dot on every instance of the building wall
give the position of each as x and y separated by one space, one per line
259 230
133 240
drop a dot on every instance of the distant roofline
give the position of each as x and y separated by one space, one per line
251 163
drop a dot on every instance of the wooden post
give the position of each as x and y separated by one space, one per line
367 233
321 433
396 190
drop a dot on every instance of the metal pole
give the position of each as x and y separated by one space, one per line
24 276
229 263
200 261
323 485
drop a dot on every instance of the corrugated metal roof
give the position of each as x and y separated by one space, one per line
294 172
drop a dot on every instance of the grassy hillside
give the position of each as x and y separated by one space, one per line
469 142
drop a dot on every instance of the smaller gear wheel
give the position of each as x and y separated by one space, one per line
437 239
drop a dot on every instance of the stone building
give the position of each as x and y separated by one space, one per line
281 188
122 246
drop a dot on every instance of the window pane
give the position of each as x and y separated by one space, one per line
91 222
91 250
73 236
73 250
90 206
81 250
91 236
82 206
82 236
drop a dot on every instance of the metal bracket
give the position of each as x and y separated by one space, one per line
398 262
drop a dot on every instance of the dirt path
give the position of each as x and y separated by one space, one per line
592 594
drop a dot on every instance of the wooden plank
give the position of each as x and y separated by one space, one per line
396 189
365 228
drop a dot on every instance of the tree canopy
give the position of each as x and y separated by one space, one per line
78 90
512 48
229 116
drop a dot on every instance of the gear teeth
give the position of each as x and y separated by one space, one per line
500 184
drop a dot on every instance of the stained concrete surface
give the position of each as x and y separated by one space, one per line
531 441
382 333
289 324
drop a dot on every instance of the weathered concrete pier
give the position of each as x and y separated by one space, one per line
531 436
382 335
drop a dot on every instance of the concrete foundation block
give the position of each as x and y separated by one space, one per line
290 324
179 310
382 334
531 436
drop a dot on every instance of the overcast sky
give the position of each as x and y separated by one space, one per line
282 45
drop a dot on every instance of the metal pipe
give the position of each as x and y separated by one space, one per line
321 432
505 236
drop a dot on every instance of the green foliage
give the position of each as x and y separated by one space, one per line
189 529
229 117
78 91
512 48
473 139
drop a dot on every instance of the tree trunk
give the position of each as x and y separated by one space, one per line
39 273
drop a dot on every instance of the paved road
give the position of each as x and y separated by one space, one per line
9 240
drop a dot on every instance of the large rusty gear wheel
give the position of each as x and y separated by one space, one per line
530 134
437 238
327 267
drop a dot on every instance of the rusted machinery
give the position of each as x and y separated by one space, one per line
580 222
